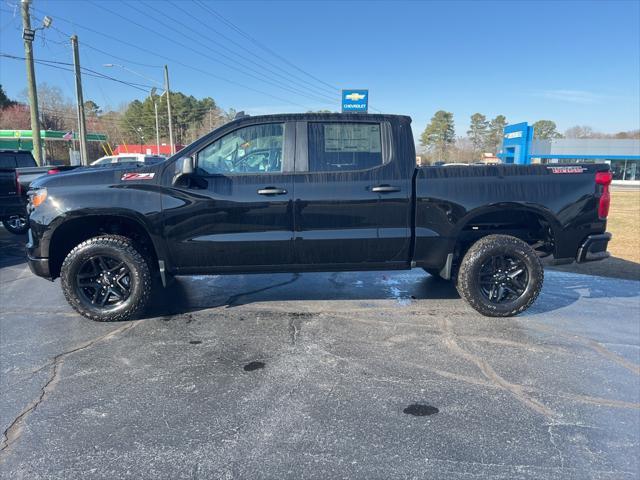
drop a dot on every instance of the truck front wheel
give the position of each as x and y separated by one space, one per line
106 279
500 276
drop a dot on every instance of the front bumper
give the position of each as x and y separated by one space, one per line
38 266
594 248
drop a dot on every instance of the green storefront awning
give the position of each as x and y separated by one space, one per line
19 136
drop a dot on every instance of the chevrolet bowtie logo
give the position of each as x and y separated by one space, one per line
354 96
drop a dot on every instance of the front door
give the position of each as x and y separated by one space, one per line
236 213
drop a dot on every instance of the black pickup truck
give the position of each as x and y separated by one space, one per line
313 192
17 170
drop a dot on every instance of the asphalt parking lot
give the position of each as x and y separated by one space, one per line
351 375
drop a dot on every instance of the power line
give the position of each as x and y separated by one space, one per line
259 77
261 45
178 62
261 59
92 73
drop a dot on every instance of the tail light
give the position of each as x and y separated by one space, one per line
53 171
604 179
18 185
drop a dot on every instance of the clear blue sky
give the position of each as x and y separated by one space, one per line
574 62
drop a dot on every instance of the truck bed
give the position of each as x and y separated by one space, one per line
460 203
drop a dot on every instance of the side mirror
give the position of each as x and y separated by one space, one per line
187 166
184 171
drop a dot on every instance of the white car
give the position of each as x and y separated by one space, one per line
128 158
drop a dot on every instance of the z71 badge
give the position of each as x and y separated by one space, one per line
572 169
137 176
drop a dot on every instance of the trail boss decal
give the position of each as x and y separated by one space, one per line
567 169
137 176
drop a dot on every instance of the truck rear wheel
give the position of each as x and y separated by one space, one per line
500 276
16 224
106 279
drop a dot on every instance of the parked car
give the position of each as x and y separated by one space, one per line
313 192
17 170
128 158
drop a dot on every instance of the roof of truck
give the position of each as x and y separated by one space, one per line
312 116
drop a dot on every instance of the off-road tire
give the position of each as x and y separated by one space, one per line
122 249
468 284
12 226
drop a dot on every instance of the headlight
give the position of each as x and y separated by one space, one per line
36 197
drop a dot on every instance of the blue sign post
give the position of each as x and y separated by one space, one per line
355 101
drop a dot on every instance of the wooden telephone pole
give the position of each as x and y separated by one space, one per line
28 34
82 125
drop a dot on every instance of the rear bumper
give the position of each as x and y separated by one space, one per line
594 248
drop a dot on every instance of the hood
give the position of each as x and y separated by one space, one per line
84 176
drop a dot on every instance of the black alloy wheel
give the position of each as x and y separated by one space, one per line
16 224
503 278
104 281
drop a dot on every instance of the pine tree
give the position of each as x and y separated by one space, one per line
477 132
439 134
495 134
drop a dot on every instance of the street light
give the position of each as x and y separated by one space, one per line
155 104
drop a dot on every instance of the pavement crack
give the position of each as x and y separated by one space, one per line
591 343
518 391
294 330
14 431
555 445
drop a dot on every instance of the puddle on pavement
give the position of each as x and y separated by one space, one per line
420 410
251 366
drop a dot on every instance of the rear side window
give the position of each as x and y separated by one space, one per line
25 160
7 161
335 147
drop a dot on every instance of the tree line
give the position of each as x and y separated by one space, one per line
134 123
131 123
440 142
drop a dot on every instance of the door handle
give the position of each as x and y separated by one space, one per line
385 189
272 191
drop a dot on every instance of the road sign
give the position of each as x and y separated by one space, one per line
355 101
28 34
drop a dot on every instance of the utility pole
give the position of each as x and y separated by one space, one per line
168 92
155 107
28 35
82 126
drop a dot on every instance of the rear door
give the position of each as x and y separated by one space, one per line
352 197
237 213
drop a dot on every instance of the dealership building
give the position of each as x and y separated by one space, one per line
520 147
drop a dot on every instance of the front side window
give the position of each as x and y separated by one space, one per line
254 149
335 147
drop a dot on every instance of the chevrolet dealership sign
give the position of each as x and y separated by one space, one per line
355 101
